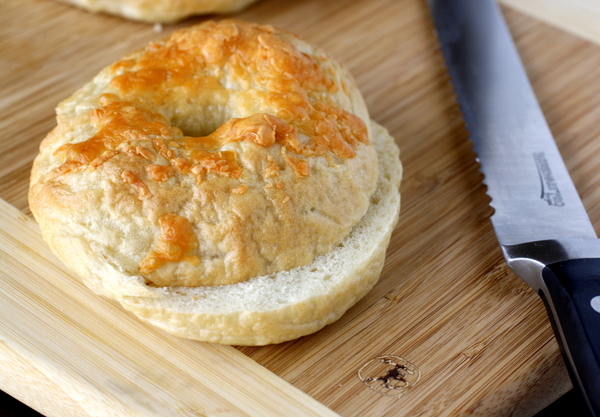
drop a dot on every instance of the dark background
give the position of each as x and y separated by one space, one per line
571 404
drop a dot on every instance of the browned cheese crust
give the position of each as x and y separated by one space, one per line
164 11
229 150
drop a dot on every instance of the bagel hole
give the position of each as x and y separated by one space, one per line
201 122
194 128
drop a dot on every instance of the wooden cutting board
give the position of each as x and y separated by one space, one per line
446 303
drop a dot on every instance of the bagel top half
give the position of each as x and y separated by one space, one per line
227 151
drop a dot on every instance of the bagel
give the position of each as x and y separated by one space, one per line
160 11
225 184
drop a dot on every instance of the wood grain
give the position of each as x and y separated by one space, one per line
92 358
446 302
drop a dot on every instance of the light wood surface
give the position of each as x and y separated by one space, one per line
446 302
579 17
70 353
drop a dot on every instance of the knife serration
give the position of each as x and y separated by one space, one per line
532 193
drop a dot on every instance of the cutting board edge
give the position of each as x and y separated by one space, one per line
42 384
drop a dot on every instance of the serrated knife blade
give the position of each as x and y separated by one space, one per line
540 222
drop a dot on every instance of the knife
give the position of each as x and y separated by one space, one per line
541 224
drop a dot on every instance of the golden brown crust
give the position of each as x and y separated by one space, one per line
228 151
164 11
289 304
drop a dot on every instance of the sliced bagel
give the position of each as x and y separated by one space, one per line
190 176
286 305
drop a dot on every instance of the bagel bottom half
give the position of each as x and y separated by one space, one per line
290 304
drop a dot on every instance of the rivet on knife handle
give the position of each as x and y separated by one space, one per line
541 224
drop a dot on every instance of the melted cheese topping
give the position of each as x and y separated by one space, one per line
174 243
174 108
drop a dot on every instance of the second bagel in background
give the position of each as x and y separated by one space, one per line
160 11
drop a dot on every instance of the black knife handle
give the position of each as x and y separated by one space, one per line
573 304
